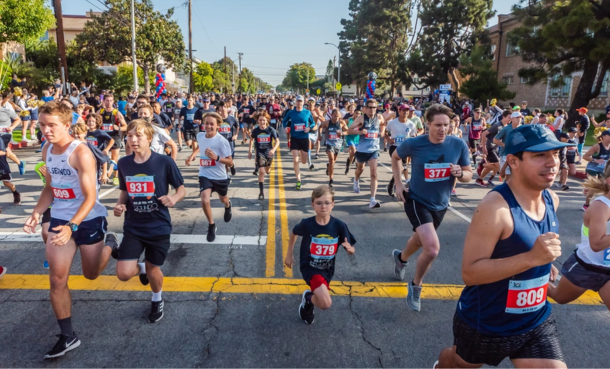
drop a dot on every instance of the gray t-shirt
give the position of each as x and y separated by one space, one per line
431 179
6 119
502 136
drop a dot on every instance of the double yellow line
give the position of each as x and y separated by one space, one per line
277 175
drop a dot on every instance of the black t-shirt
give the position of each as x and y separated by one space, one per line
98 139
347 116
166 121
93 102
491 134
229 128
319 245
246 112
526 112
263 139
145 183
168 107
201 111
584 126
156 119
189 115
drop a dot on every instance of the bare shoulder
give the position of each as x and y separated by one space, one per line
555 199
492 208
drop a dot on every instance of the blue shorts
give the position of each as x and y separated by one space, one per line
364 157
241 125
34 114
89 232
351 143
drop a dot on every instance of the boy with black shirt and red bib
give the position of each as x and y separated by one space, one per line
321 237
113 123
266 141
144 179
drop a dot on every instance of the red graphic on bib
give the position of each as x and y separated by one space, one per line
299 127
64 193
434 172
107 127
207 162
318 249
92 141
264 139
527 296
372 135
225 128
333 135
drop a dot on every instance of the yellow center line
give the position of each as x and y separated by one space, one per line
270 251
283 215
279 286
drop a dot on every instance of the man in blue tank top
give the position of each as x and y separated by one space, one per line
508 251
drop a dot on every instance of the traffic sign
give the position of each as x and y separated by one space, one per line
318 91
338 86
445 87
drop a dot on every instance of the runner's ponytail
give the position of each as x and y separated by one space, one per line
598 185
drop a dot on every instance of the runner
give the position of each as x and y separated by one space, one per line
247 122
399 130
178 123
351 140
318 117
508 254
266 142
416 120
9 120
228 129
190 125
78 219
572 151
583 127
321 236
563 163
435 159
5 175
213 163
275 112
161 140
370 126
333 131
597 156
302 122
491 164
113 123
145 178
515 118
476 124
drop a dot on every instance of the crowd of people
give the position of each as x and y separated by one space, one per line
508 251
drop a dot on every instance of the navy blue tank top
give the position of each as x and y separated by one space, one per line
517 304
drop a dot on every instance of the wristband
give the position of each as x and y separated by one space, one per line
218 158
461 175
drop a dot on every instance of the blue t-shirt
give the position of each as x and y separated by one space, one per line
98 139
503 135
145 183
122 104
189 116
299 120
319 246
431 178
47 98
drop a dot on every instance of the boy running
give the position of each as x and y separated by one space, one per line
266 141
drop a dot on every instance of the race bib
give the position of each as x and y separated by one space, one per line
371 135
246 111
333 135
263 139
527 296
273 121
225 128
323 248
63 192
399 139
437 172
140 185
476 126
177 111
92 141
107 127
607 257
299 127
206 162
3 129
190 116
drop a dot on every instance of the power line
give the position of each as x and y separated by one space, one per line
206 32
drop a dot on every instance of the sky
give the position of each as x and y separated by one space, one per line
272 34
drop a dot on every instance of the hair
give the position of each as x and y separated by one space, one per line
140 125
598 185
142 97
321 191
560 111
220 104
155 103
57 109
98 119
108 95
335 110
438 109
506 113
146 106
216 116
371 101
537 111
79 128
261 113
190 96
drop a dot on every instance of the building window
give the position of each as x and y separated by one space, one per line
45 37
508 80
564 89
525 79
604 90
567 84
512 49
493 52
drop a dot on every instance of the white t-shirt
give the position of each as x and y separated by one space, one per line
160 138
75 100
558 123
209 167
401 131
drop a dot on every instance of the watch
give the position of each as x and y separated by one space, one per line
218 158
73 226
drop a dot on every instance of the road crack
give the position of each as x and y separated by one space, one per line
361 328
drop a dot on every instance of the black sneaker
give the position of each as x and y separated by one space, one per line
211 232
16 198
113 241
233 170
261 197
565 187
255 172
327 164
390 189
144 279
63 345
306 309
310 166
228 213
316 157
156 311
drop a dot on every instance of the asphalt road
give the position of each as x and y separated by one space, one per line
239 308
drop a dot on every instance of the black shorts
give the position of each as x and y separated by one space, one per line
474 347
571 159
263 161
7 137
392 149
46 216
155 248
492 155
419 214
584 275
563 164
221 187
472 143
300 144
117 142
365 157
190 134
89 232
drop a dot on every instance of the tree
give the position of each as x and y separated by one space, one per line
24 20
203 77
449 29
480 79
296 77
562 37
107 37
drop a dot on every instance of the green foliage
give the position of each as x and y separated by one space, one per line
24 20
481 80
296 77
203 77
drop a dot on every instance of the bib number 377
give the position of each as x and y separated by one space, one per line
437 172
527 296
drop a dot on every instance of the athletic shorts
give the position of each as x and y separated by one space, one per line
117 142
34 114
571 159
392 149
155 248
89 232
263 161
594 174
364 157
351 143
473 143
502 161
313 137
300 144
563 164
419 214
474 347
316 281
190 134
492 155
333 149
46 216
583 275
316 277
221 187
7 137
5 177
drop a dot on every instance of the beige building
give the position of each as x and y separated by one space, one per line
73 25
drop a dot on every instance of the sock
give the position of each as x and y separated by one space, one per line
142 268
15 191
372 199
157 296
66 326
260 186
347 163
400 257
309 157
331 181
492 177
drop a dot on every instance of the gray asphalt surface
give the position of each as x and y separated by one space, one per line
264 330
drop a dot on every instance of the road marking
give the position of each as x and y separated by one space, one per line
283 215
107 192
175 238
277 286
270 250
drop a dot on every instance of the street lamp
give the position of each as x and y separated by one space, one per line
338 62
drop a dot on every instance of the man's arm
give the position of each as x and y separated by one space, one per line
354 129
46 196
588 156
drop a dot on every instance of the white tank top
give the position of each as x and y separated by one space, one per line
584 251
67 193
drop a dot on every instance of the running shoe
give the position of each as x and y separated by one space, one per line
480 167
63 345
479 182
211 232
453 193
327 164
45 264
390 189
255 172
298 188
22 167
385 149
233 171
306 309
228 213
413 298
565 187
16 198
114 165
113 241
156 311
490 183
310 166
144 279
356 186
374 204
316 157
261 197
585 207
2 271
243 142
179 148
115 181
346 170
399 266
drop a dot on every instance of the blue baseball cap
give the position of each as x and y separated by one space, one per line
532 138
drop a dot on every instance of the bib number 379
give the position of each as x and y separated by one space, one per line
437 172
527 296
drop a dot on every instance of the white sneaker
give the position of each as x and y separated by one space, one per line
374 204
356 186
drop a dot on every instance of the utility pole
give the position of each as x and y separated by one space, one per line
233 73
190 46
133 47
307 80
240 55
225 60
61 46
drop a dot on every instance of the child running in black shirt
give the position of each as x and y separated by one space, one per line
321 237
266 141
